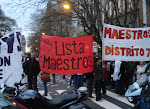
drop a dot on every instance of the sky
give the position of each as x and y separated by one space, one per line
20 13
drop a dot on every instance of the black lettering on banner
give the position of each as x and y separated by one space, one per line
78 62
45 61
1 61
18 38
5 61
46 41
81 48
66 64
90 61
74 44
63 48
53 64
85 63
1 74
68 49
73 59
59 63
10 42
0 47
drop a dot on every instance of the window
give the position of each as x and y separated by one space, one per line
110 8
114 12
119 7
130 3
123 4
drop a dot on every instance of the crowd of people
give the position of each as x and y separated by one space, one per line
116 74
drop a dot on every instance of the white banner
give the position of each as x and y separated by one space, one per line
125 44
10 58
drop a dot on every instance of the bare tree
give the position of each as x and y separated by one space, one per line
6 23
53 22
88 13
91 14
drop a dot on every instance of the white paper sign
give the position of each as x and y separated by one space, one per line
125 44
10 58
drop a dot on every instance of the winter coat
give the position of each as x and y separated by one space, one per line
105 72
89 75
125 70
98 71
31 68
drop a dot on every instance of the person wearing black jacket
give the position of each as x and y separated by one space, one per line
99 77
31 68
124 79
90 83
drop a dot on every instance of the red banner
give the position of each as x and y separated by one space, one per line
66 55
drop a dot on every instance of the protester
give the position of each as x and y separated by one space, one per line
105 77
99 76
116 76
53 76
31 68
140 70
148 66
25 57
45 77
132 66
112 65
63 77
80 80
90 82
108 81
124 78
75 82
148 71
71 78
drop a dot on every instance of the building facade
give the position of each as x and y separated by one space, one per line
128 13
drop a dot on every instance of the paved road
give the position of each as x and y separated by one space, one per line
109 101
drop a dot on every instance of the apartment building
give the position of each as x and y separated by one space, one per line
134 11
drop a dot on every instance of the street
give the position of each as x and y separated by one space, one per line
109 101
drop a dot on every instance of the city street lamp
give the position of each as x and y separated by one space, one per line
66 6
43 33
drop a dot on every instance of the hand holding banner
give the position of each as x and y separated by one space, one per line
66 55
